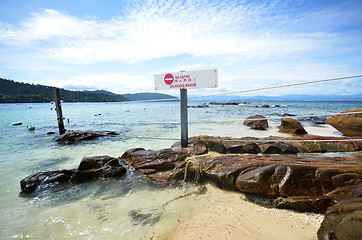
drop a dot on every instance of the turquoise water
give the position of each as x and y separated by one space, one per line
103 210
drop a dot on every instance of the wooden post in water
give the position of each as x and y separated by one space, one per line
59 111
184 121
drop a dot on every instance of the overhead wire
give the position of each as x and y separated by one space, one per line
278 86
236 92
247 90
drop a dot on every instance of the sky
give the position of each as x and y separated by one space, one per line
118 45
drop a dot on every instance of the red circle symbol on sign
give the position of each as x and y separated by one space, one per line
168 78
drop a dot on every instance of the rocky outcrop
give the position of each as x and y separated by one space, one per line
291 126
348 124
257 122
75 136
301 183
204 105
271 145
90 168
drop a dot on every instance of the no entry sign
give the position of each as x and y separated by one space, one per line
168 78
186 80
183 81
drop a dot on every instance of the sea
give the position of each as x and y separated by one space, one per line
130 207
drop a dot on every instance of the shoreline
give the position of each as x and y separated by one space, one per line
229 215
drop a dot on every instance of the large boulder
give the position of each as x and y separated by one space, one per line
162 166
291 126
348 124
301 183
257 122
99 167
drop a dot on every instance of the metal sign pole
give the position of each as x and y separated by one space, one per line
184 122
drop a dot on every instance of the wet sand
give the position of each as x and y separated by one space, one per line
228 215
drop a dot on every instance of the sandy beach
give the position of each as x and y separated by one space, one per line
228 215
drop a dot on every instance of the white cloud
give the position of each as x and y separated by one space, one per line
118 83
49 25
252 44
156 29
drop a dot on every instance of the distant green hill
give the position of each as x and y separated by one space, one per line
16 92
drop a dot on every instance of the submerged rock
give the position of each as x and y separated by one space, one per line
348 124
44 179
76 136
90 168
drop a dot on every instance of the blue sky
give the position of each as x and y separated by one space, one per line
120 45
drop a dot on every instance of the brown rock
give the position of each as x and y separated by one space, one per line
42 179
278 148
90 168
257 122
301 183
272 145
246 147
349 124
319 144
161 166
75 136
342 221
161 160
97 168
199 148
292 126
89 163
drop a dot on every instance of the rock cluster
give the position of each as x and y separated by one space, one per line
204 105
305 183
301 183
228 103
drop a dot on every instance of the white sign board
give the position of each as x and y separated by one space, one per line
186 80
